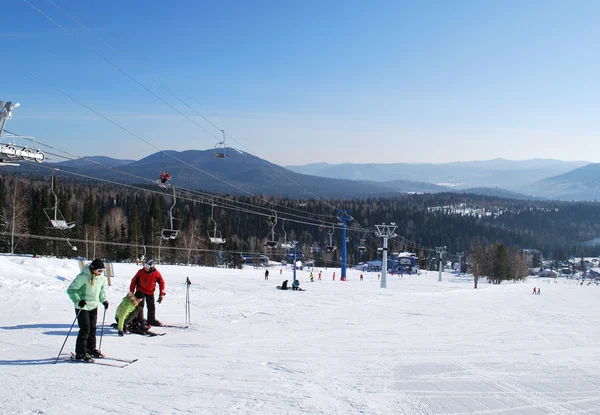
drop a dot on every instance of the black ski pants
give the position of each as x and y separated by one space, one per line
86 339
149 300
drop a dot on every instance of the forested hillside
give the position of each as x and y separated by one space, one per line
117 222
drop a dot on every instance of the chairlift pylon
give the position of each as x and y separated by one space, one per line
220 148
9 152
171 232
214 238
57 220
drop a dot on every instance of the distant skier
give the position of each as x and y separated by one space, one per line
266 274
86 291
361 277
312 277
534 292
334 275
538 291
319 276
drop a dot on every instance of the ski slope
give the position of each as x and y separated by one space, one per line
416 347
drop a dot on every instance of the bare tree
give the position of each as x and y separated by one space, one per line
15 214
115 218
191 238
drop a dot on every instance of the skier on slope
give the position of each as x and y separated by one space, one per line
86 291
129 310
145 280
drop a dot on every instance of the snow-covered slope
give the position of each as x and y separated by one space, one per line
416 347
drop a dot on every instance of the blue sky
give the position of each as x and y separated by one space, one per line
301 82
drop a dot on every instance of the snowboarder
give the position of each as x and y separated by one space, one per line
296 285
128 310
86 291
266 274
145 280
284 285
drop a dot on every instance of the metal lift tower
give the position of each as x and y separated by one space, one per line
344 217
385 232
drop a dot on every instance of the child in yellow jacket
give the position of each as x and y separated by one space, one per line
128 309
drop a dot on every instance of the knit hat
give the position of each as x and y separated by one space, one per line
97 264
139 294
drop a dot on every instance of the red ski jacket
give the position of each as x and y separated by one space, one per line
146 282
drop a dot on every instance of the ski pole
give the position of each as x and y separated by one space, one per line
187 300
65 342
102 330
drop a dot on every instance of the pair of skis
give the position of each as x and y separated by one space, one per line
152 333
103 361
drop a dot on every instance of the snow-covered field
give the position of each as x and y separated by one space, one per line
417 347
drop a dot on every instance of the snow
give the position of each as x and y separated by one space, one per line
416 347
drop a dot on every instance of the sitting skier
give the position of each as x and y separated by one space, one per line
128 310
165 177
296 285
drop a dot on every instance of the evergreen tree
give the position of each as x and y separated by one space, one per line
4 236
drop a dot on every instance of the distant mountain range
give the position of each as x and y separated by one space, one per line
505 174
239 173
243 173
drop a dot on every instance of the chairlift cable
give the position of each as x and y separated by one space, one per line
144 87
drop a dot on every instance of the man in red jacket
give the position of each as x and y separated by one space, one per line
145 281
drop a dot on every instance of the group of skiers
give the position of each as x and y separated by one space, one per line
87 291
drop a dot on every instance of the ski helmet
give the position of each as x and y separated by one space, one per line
149 265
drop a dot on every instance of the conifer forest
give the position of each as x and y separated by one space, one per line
121 223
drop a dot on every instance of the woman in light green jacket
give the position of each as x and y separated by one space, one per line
86 291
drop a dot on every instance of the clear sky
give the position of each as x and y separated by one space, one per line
297 82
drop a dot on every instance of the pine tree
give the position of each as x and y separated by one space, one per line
4 236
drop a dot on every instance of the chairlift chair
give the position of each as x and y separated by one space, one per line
285 244
73 247
331 247
57 220
214 238
362 248
272 221
220 148
171 232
